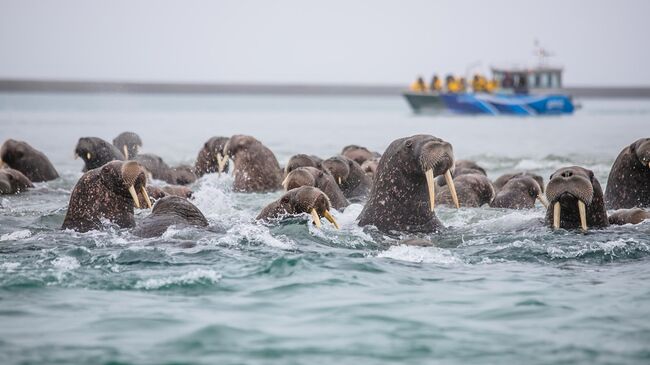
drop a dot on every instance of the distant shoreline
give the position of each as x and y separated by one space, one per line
116 87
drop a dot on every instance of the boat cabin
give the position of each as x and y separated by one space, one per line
521 80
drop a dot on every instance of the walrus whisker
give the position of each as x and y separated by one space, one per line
582 209
146 196
330 218
431 188
452 188
134 196
315 217
126 152
556 215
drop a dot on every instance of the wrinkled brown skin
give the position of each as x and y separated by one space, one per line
519 192
473 190
311 176
358 154
170 211
463 167
302 160
355 184
101 152
13 181
628 216
399 199
256 170
102 194
131 140
503 179
296 201
206 161
30 162
628 184
565 186
370 166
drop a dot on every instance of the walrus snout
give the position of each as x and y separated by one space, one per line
314 202
437 158
642 150
570 187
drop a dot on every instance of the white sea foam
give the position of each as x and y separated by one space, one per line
65 263
18 235
419 254
191 277
10 266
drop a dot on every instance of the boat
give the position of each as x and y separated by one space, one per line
520 91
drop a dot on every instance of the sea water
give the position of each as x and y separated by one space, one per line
496 287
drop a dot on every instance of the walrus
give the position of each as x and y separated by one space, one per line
628 184
354 183
256 170
575 200
181 175
358 154
170 211
311 176
403 193
519 192
473 191
156 193
303 160
463 167
305 199
30 162
128 143
106 193
13 181
95 152
211 157
503 179
370 166
628 216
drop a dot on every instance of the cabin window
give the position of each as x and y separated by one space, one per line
555 80
532 82
544 80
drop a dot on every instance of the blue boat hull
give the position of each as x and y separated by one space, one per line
493 104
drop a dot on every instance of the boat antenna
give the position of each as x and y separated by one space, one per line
541 53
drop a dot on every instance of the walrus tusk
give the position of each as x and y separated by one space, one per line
452 188
339 180
221 161
146 196
330 218
431 188
582 210
126 152
556 215
88 155
315 217
134 196
543 200
284 183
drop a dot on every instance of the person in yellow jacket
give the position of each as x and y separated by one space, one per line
453 85
491 86
419 85
436 84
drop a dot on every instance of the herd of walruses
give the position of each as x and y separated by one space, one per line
399 188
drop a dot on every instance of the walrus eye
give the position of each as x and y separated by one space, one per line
409 144
284 200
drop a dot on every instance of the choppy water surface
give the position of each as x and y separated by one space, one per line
497 287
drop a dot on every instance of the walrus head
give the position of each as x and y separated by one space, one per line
305 199
641 149
13 181
502 180
370 166
128 143
302 160
519 192
127 179
311 176
236 144
212 157
95 152
32 163
357 153
575 199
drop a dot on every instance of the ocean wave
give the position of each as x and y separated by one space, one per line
428 255
201 277
17 235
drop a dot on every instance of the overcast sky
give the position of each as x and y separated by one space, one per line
330 41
